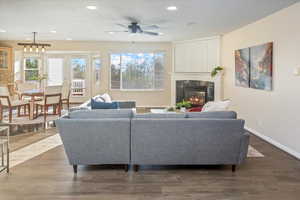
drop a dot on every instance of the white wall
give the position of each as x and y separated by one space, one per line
157 98
274 114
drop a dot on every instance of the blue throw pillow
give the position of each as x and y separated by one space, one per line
103 105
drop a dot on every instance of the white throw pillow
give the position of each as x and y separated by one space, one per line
99 98
106 98
216 106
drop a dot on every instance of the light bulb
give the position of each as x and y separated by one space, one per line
30 49
25 49
43 49
37 49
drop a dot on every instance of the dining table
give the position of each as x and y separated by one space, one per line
33 94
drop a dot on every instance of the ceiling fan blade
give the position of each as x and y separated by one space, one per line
150 33
132 19
150 27
123 26
116 31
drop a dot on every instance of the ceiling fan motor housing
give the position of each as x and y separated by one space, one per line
135 28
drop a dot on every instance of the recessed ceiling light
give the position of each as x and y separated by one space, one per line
2 31
53 31
160 33
68 38
171 8
91 7
111 32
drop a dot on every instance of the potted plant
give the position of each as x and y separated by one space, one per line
183 105
216 71
171 109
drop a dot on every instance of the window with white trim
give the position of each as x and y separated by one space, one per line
31 69
79 69
137 71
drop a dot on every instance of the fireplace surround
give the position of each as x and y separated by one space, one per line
196 91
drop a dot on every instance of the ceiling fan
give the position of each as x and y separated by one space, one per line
135 28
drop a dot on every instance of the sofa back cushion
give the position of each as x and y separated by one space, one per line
186 141
101 113
159 115
213 115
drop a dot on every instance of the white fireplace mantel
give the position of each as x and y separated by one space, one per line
194 60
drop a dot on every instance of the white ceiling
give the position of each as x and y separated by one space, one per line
71 19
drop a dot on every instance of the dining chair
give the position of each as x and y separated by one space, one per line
23 87
11 102
52 98
66 92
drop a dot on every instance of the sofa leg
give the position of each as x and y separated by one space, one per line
126 167
233 168
75 169
136 168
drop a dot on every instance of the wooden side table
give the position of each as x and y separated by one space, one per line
4 144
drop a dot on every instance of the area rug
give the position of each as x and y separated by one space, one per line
21 140
44 145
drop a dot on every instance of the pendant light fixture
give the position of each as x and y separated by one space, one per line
34 45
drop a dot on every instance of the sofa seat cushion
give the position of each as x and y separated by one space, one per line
213 115
101 113
160 115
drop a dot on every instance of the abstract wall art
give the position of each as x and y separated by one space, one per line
254 66
242 67
261 66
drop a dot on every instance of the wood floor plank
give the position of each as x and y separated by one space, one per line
49 176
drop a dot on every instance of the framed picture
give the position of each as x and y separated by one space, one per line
261 64
6 70
254 66
242 67
3 59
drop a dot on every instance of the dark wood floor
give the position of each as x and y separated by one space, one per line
48 176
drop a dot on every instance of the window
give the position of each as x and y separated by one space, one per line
55 71
97 67
79 67
137 71
31 69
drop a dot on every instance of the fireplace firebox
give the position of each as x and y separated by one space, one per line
197 92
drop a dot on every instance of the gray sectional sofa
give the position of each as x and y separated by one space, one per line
123 137
93 137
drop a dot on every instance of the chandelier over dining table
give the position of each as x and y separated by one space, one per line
34 46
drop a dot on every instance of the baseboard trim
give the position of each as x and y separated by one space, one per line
275 143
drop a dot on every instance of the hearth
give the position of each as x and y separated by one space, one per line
197 92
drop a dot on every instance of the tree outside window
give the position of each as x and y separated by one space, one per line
31 69
137 71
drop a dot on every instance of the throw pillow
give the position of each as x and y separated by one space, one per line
106 98
216 106
99 98
104 105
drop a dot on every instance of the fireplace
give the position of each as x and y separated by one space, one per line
197 92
